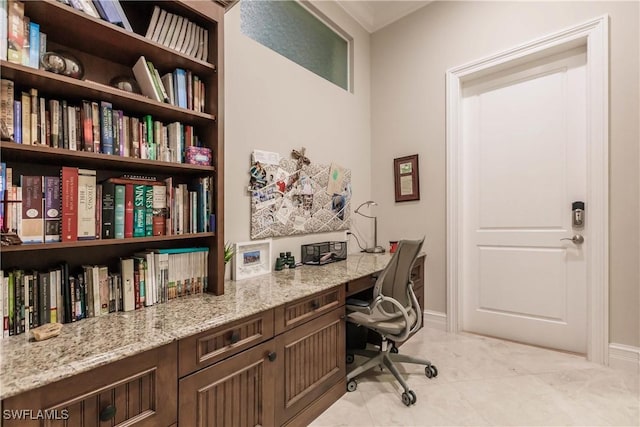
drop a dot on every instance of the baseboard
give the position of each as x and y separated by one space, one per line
624 357
435 320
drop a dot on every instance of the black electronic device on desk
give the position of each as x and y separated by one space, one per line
323 252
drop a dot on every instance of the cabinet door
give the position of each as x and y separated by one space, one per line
235 392
311 359
139 390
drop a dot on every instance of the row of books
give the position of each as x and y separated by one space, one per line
92 126
21 40
180 88
29 299
108 10
73 206
178 33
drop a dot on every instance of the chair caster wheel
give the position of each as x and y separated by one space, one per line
431 371
352 385
409 398
350 359
395 350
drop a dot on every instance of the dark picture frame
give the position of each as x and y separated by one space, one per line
406 177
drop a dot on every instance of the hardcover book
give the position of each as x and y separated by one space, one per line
51 209
32 218
108 210
86 204
69 198
139 213
119 212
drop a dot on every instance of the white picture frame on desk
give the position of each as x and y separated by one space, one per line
251 259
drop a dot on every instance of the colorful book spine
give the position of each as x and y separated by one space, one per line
15 31
128 210
17 121
34 44
139 213
148 208
86 204
119 211
32 218
69 197
87 127
7 128
51 209
106 127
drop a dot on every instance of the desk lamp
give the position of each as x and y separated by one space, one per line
375 249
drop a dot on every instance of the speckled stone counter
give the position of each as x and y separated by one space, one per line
94 342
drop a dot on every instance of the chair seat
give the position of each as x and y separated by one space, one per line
381 322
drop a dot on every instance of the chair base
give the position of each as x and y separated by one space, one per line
386 358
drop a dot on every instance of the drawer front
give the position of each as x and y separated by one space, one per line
292 314
360 284
140 390
206 348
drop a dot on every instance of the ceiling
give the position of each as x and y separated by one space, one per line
375 14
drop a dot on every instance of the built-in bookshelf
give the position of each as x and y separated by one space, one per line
107 51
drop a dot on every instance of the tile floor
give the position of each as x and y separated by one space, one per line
488 382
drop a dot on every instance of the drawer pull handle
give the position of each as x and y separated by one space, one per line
235 337
315 304
272 356
107 413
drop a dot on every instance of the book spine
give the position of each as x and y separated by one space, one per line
64 124
43 48
139 213
128 210
116 132
34 132
119 211
26 118
5 306
51 209
7 127
98 210
159 208
148 207
44 309
71 125
15 31
95 123
108 210
54 108
127 279
32 218
86 204
34 44
53 297
42 122
17 121
151 146
106 127
103 283
69 196
87 127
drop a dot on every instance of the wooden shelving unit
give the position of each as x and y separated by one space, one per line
107 51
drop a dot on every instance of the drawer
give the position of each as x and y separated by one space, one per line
206 348
294 313
140 390
360 284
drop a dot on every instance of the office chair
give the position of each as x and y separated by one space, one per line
394 313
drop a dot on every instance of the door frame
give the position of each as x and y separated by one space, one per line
593 34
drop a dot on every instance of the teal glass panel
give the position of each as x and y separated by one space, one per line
295 33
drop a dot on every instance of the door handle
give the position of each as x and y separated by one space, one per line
577 239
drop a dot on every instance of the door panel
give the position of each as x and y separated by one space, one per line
524 161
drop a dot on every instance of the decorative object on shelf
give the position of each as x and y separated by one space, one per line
62 63
251 259
375 249
126 83
46 331
10 238
407 181
393 246
295 196
198 156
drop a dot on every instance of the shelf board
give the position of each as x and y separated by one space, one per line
102 242
70 27
47 155
67 87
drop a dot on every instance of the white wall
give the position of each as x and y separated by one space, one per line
409 60
272 103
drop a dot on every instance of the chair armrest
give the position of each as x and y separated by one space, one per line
353 304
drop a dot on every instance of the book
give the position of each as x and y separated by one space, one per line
157 81
43 48
128 210
87 126
151 145
71 126
127 277
134 150
51 209
106 127
187 37
54 108
96 126
103 283
27 41
148 209
124 22
69 207
32 218
178 32
34 45
116 132
159 25
108 210
111 11
167 29
45 137
139 213
167 82
119 212
98 229
34 131
64 124
3 37
7 129
153 22
26 117
89 8
17 121
15 31
145 80
86 204
181 87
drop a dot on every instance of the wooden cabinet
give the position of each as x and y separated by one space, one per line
235 392
107 51
140 390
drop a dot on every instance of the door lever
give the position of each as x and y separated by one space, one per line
577 239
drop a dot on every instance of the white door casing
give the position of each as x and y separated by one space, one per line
593 37
524 163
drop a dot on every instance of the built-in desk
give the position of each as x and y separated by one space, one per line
254 350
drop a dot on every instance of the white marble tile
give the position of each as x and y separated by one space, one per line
351 410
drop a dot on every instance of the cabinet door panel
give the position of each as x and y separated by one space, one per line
235 392
311 359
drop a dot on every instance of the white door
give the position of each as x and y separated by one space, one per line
524 164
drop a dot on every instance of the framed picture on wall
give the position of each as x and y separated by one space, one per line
407 181
251 259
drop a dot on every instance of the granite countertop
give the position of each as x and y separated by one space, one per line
94 342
